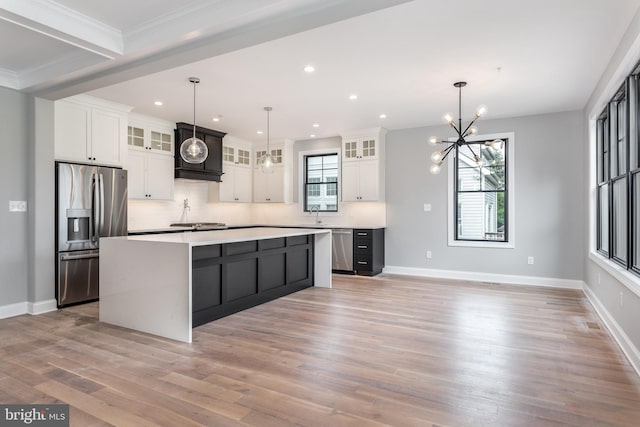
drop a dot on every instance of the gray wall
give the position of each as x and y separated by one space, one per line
549 203
42 201
14 234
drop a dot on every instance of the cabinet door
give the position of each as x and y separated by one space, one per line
276 185
72 131
159 176
260 186
350 191
136 174
226 185
368 180
368 148
108 130
242 184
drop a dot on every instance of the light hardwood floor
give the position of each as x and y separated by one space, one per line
371 351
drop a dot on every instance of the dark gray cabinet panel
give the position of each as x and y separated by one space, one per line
273 271
210 169
235 276
242 278
368 251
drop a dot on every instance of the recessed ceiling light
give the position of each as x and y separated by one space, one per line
158 103
216 119
313 135
383 116
353 97
315 125
309 69
259 132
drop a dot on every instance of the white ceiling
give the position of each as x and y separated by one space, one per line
400 58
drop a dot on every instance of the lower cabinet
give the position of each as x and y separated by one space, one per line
368 251
231 277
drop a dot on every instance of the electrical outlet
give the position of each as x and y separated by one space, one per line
530 260
427 207
17 206
428 254
621 299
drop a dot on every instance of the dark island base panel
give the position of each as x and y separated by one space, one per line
232 277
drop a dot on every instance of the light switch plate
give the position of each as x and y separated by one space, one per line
427 207
17 206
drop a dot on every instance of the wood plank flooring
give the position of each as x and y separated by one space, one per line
388 350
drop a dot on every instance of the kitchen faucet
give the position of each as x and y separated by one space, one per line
317 209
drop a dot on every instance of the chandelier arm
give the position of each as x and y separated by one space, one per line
475 118
475 156
447 151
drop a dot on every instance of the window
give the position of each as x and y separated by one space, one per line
481 197
321 183
614 177
618 177
481 192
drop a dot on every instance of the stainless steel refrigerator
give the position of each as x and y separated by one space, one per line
91 202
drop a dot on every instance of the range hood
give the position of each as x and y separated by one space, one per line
211 168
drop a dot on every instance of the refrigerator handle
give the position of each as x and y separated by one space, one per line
96 206
101 203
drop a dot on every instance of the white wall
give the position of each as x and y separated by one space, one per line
550 208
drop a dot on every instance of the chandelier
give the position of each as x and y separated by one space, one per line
439 156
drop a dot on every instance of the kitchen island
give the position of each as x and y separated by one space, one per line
166 284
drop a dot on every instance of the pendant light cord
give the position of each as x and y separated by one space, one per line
194 109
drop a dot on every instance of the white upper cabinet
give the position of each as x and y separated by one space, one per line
150 161
150 134
90 130
273 187
363 165
236 184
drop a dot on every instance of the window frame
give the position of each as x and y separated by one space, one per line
510 223
304 156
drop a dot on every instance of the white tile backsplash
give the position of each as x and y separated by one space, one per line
151 214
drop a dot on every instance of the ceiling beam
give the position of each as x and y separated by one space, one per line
307 15
66 25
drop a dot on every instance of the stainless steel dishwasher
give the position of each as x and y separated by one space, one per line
342 249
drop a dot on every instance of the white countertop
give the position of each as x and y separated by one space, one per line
215 237
234 226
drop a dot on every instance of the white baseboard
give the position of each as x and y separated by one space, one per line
486 277
42 306
618 333
11 310
19 308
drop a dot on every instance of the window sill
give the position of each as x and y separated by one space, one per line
629 280
481 244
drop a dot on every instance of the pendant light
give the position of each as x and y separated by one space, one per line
193 150
267 164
